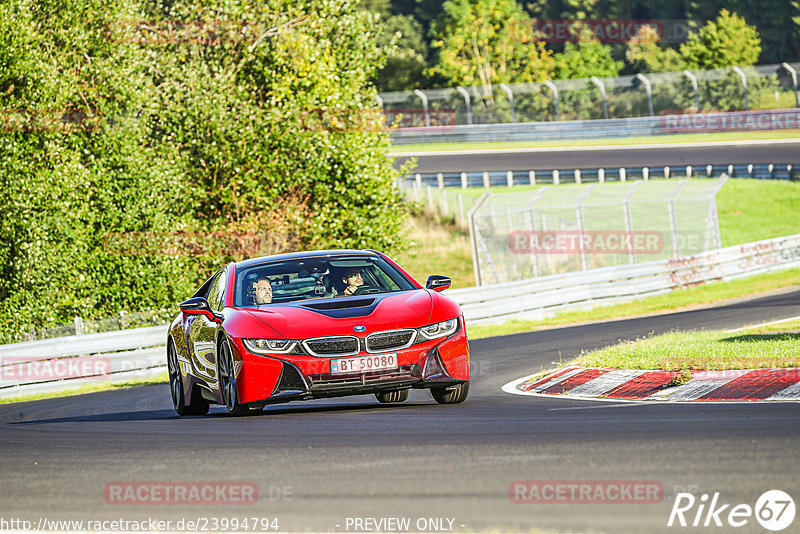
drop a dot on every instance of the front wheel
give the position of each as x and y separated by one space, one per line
227 381
198 406
451 394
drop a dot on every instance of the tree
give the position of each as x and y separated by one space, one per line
585 58
483 42
725 42
131 125
403 38
645 54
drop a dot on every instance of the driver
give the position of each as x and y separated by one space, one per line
352 280
262 291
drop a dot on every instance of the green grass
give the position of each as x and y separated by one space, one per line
91 388
751 210
649 140
681 299
437 249
755 348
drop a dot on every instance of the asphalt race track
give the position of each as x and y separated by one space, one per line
588 157
316 464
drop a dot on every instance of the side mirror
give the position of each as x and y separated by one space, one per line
437 282
199 306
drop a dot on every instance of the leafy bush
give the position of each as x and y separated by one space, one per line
230 119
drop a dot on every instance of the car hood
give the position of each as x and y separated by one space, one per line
327 317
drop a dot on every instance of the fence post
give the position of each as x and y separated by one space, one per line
440 180
556 177
550 85
461 209
688 171
463 180
485 180
424 99
78 326
430 198
510 178
445 210
595 80
793 74
510 95
645 173
418 179
601 175
696 89
467 101
740 72
623 175
532 177
666 172
577 175
646 83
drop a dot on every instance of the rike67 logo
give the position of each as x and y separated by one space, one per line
774 510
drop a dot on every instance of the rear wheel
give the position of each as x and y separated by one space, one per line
227 381
451 394
198 406
398 395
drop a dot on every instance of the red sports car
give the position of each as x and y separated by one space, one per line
315 324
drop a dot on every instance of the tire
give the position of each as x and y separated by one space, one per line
199 405
452 394
227 381
398 395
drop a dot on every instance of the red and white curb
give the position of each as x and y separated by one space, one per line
642 385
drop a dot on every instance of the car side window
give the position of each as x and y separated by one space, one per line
216 293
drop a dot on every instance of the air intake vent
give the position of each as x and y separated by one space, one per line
392 340
340 304
332 346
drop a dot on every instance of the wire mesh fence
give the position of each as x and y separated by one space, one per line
762 87
553 230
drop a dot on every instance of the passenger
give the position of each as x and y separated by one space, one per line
352 280
262 291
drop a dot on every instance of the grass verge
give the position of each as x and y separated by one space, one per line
648 140
679 300
773 346
90 388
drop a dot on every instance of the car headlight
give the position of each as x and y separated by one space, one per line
270 346
437 330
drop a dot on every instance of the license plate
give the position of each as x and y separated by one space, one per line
364 364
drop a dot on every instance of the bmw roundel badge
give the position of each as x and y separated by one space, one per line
359 328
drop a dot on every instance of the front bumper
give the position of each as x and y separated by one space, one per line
283 378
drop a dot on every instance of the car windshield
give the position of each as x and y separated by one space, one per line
276 282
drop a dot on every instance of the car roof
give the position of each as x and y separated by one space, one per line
306 254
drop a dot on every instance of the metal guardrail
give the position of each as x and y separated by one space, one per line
442 191
139 353
44 365
540 297
566 175
601 128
